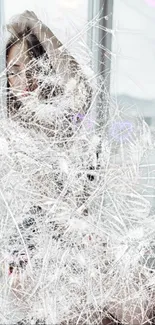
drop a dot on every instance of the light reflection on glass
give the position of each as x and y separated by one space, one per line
121 130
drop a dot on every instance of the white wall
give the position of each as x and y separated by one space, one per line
133 68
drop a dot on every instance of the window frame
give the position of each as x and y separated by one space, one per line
100 44
99 9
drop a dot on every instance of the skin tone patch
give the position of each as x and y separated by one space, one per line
17 62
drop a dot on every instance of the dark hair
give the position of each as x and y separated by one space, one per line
35 50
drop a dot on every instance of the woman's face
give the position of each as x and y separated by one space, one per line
17 62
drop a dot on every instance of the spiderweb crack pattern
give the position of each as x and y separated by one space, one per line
77 228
